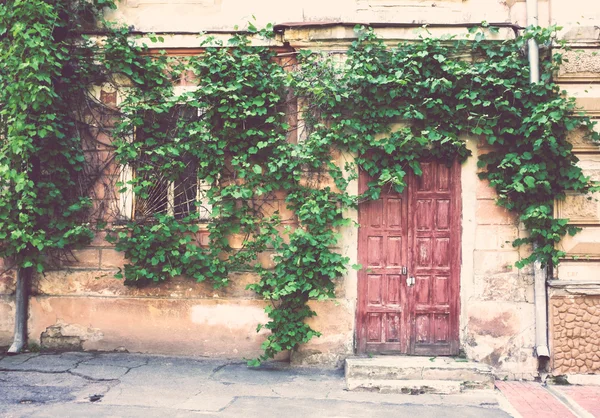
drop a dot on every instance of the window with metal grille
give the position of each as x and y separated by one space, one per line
178 195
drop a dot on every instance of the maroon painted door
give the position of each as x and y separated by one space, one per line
409 247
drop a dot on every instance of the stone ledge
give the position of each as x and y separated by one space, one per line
583 379
576 287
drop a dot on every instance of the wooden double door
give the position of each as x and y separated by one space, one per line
409 249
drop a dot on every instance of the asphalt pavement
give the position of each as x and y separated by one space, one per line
136 385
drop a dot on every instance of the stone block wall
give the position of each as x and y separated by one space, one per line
497 312
574 306
575 324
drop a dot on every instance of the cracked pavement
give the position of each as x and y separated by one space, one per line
138 385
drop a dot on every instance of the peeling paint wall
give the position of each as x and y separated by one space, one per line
194 327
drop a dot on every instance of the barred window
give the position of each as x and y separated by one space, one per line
180 195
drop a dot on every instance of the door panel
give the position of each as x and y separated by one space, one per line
409 248
383 252
433 204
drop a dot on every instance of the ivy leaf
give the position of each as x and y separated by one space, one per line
529 181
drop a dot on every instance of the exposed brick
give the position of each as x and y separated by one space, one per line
188 78
266 259
236 241
100 240
203 238
285 213
268 207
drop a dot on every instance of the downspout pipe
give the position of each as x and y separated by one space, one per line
541 311
533 51
539 273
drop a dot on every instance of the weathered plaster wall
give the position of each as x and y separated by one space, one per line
91 310
83 307
497 321
336 319
579 19
7 306
196 15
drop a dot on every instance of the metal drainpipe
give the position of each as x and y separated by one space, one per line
539 273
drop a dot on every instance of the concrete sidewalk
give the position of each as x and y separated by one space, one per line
134 385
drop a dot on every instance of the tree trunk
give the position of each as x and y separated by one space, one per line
21 310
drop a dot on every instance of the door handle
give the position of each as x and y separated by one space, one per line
410 281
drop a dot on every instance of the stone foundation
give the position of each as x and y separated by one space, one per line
575 334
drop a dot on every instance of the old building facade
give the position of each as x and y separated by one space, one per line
446 229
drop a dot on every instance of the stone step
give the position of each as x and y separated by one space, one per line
403 374
413 387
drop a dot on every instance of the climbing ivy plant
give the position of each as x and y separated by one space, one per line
380 108
441 97
45 74
45 187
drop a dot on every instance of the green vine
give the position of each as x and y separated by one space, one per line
441 96
385 107
44 78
